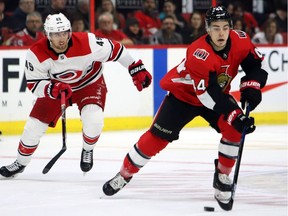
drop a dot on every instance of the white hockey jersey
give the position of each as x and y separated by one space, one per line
79 66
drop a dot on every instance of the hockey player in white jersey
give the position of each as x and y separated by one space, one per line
70 62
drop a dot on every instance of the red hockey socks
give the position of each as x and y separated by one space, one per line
147 146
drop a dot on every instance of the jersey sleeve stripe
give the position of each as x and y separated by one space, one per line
119 54
117 49
32 84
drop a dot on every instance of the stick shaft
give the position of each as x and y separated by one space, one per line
237 167
64 147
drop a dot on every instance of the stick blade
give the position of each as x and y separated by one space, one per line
226 206
53 160
50 164
45 170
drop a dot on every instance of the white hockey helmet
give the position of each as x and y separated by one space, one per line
57 23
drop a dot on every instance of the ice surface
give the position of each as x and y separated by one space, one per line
177 182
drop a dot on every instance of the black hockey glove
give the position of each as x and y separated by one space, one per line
239 121
250 93
140 76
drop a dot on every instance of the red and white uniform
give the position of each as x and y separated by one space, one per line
79 66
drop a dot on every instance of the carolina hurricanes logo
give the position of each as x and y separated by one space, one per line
201 54
68 76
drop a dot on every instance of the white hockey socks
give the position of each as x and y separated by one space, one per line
33 131
93 121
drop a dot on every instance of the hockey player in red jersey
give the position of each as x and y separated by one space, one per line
199 86
70 62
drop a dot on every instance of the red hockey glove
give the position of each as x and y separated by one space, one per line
140 76
54 89
239 121
250 93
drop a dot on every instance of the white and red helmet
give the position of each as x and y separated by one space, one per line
57 23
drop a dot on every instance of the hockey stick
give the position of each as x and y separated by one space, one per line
228 206
63 149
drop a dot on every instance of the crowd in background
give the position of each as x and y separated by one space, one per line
21 22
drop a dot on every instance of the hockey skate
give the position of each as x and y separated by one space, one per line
86 162
223 189
12 170
115 184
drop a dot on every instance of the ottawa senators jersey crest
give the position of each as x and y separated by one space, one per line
223 80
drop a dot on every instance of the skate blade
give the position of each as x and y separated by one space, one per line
8 178
103 196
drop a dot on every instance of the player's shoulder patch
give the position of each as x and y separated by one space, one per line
241 34
201 54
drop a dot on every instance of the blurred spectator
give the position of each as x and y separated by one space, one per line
148 18
30 34
4 19
230 8
118 18
78 23
133 31
11 5
269 35
83 10
251 25
280 16
57 6
18 19
106 30
169 9
194 29
238 24
4 22
167 34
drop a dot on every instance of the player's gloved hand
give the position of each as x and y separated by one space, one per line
250 93
54 89
239 121
140 76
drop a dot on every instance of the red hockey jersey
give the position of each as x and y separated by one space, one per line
189 80
149 25
23 38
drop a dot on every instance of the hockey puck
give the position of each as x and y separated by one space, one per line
209 209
